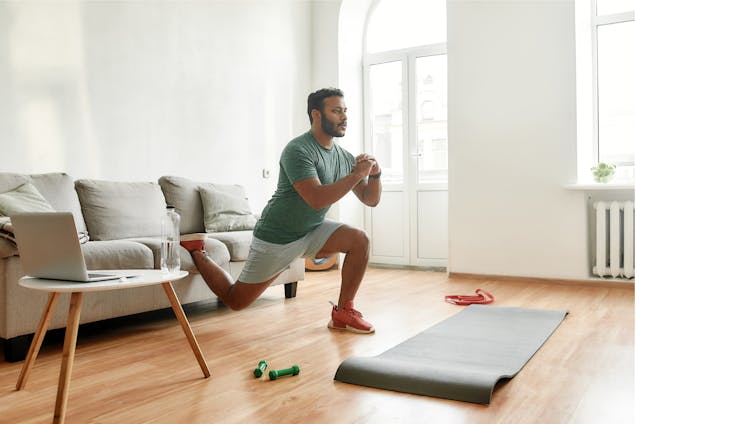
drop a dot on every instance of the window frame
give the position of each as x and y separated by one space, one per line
407 57
587 69
597 21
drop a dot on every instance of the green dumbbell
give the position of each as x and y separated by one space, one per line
259 370
294 370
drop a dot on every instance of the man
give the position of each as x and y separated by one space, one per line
314 173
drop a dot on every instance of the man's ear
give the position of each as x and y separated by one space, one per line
316 115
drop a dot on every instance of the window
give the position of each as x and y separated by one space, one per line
605 70
386 112
406 90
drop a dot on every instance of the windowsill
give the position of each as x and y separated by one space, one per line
626 185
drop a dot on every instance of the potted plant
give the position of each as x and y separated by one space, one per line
603 172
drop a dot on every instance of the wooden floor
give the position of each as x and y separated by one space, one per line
146 372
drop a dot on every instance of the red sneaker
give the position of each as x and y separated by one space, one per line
349 319
193 242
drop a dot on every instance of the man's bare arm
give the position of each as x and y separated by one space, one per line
319 196
370 192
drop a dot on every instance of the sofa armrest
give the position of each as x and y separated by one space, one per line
7 249
297 270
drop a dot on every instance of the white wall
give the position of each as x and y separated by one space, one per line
512 135
213 91
135 90
337 31
324 43
353 15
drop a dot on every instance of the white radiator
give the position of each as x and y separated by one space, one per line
614 242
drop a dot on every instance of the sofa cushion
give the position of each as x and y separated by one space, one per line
56 188
117 254
216 250
225 212
118 210
237 242
9 181
59 190
24 198
183 193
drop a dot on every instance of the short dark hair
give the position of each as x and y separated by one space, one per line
316 100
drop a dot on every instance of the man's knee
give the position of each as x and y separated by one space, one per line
346 239
360 240
237 304
356 237
241 295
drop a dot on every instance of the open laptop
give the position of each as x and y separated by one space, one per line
49 247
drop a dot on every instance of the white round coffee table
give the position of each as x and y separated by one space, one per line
141 277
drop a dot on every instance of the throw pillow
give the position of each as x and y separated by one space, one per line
24 198
117 210
225 212
183 193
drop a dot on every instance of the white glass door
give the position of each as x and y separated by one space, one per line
388 223
428 164
406 100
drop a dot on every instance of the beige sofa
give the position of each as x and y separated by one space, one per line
122 220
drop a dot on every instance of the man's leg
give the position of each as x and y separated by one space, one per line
355 244
236 295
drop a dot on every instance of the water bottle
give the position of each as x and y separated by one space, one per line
171 235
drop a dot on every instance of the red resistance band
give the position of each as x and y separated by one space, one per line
482 297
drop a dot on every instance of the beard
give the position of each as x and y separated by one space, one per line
331 128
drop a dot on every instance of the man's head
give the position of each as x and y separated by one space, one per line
326 108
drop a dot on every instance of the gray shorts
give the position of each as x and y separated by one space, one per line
266 259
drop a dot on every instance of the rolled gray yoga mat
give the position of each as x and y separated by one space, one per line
460 358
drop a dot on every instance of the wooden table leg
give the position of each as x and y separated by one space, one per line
69 348
36 342
178 310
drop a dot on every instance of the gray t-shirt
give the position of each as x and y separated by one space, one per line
287 216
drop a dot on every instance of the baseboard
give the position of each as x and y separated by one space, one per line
409 267
595 282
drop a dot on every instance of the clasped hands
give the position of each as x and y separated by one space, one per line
366 165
